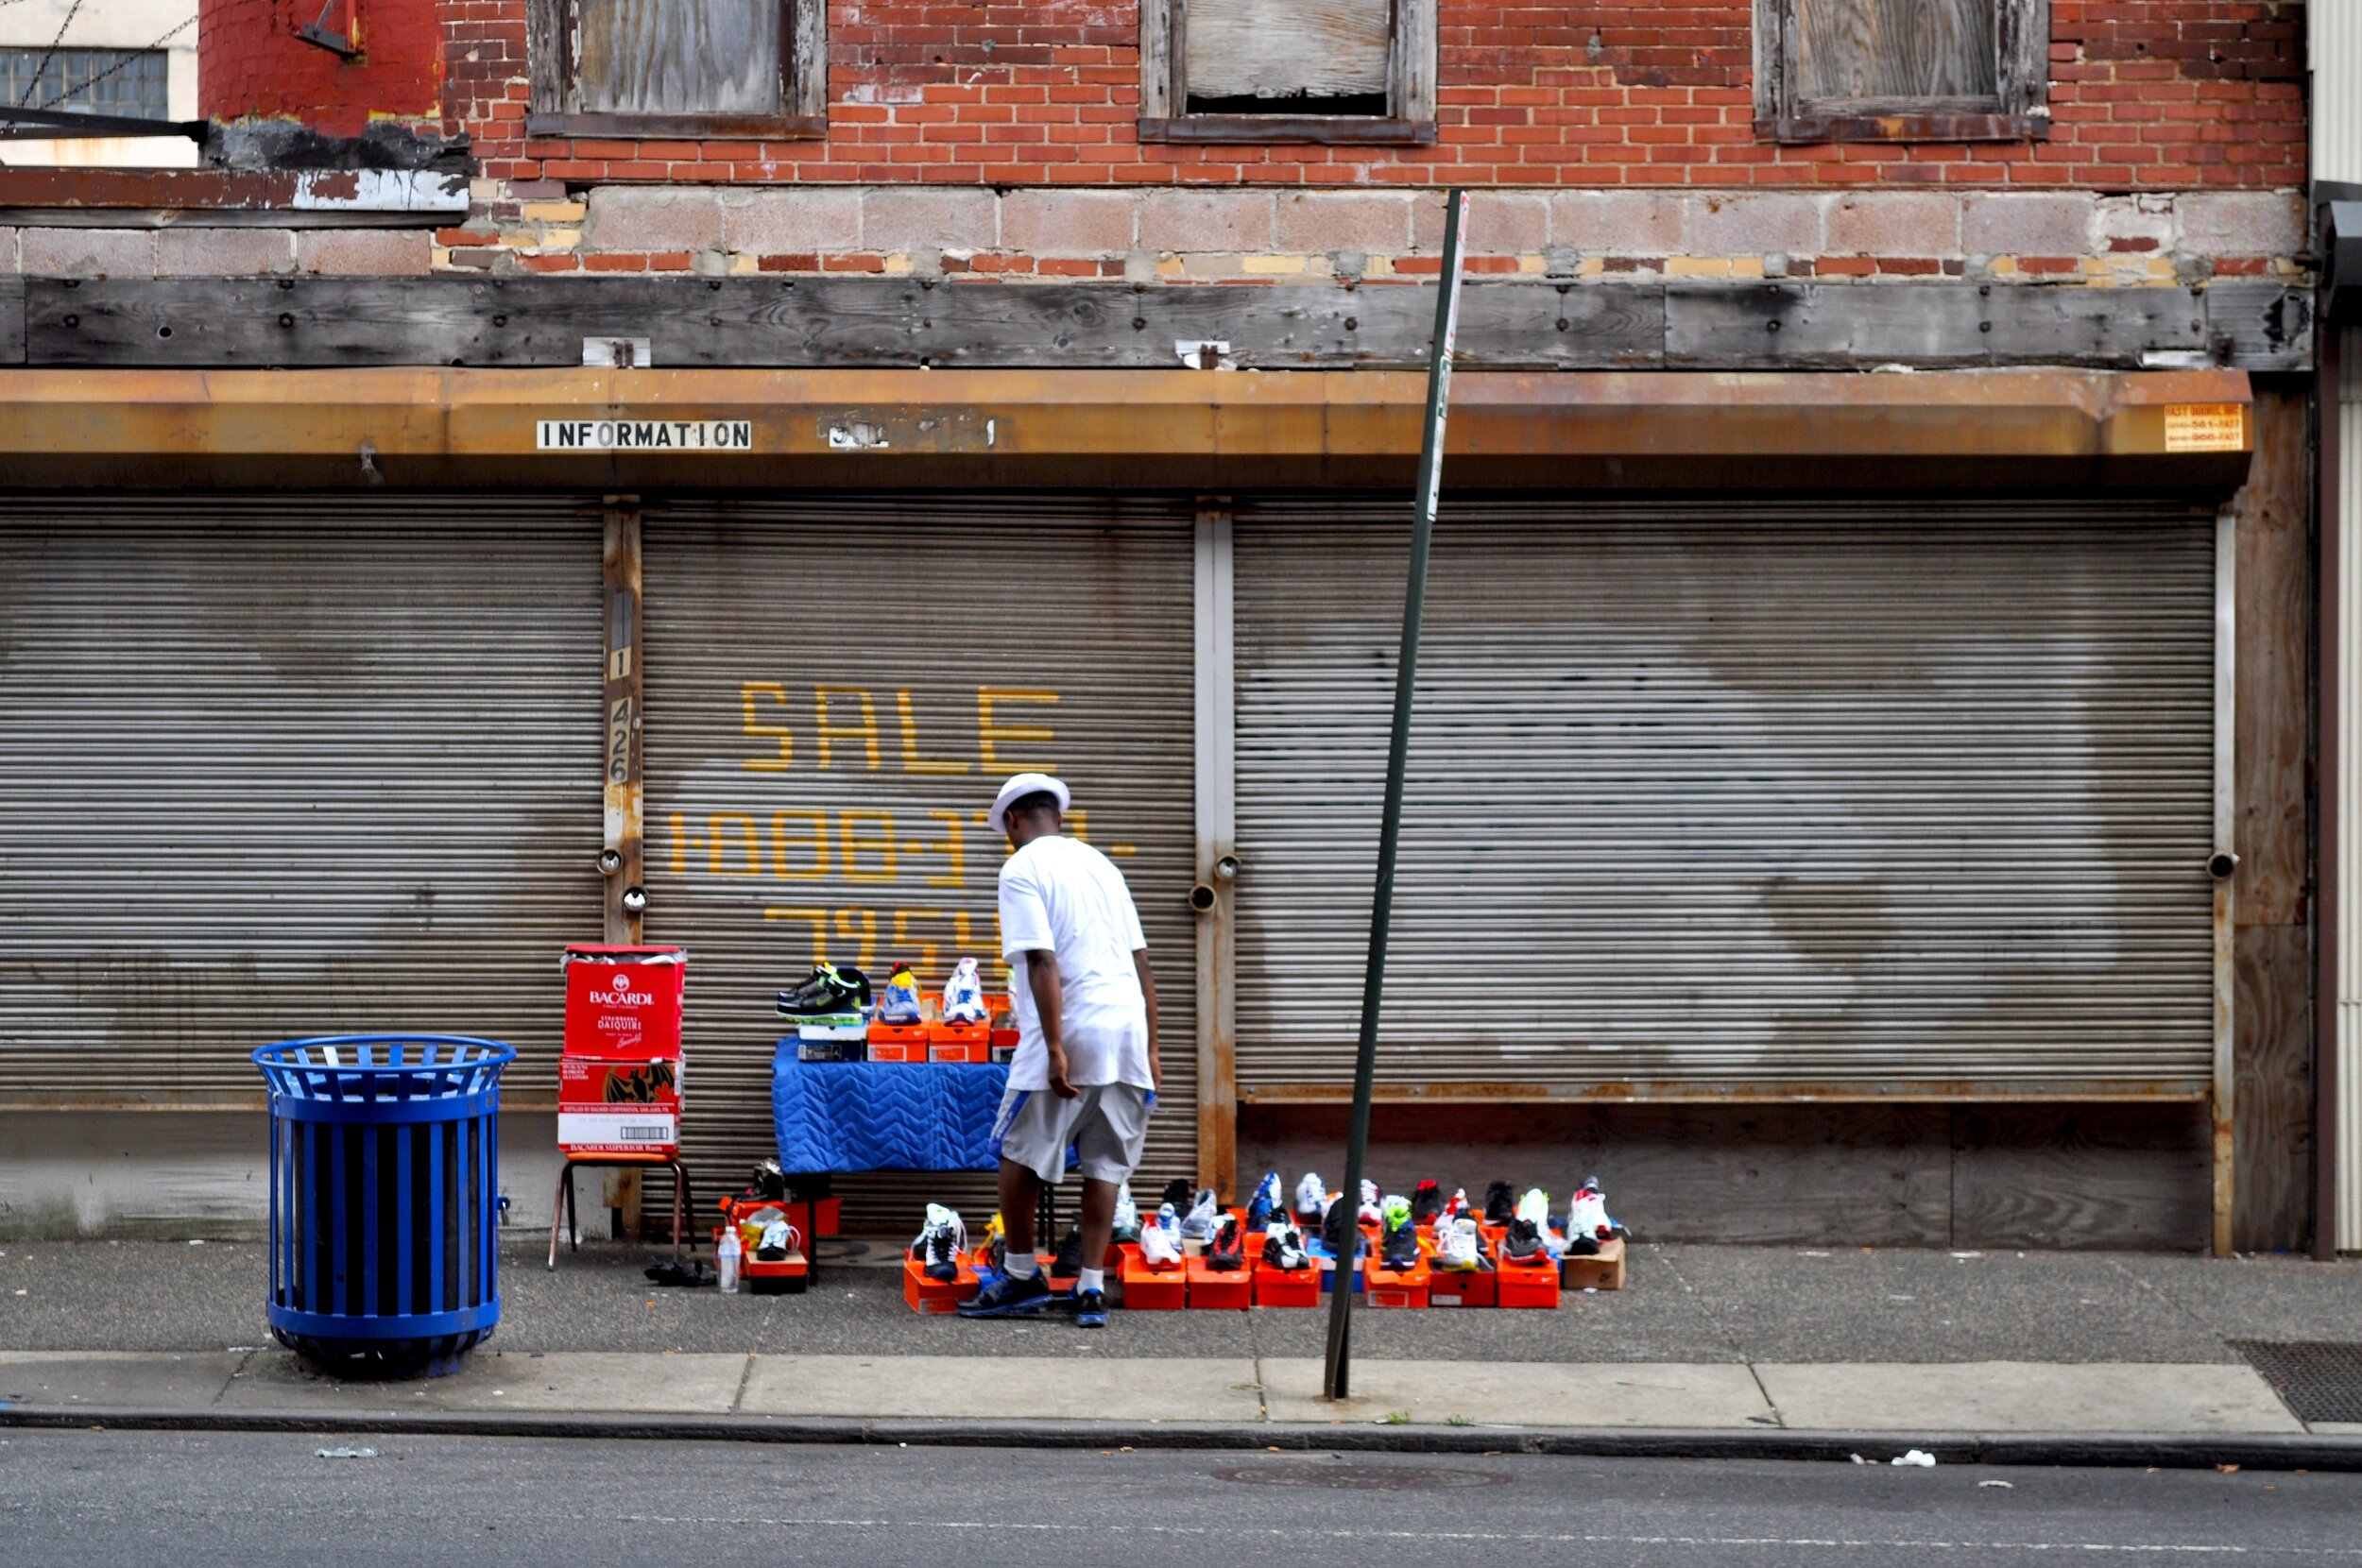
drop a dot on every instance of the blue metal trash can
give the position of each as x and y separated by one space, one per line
385 1194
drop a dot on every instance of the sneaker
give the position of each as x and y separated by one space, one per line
1127 1214
1198 1224
1587 1223
1009 1297
768 1183
1283 1249
1426 1203
1453 1208
899 1005
1500 1204
1264 1205
1399 1250
1457 1245
1340 1233
1373 1213
1068 1262
941 1242
1311 1196
1227 1249
963 995
779 1238
1534 1205
1091 1309
1523 1243
1178 1197
1160 1242
828 997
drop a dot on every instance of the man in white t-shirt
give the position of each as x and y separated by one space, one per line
1086 1070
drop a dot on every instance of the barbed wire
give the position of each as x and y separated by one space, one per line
49 54
128 56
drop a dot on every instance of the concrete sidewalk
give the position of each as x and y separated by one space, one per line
1746 1342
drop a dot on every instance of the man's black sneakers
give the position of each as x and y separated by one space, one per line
1501 1203
1091 1309
1227 1249
1426 1201
1009 1297
828 994
1068 1262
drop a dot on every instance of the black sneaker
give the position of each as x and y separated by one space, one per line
1425 1203
1091 1309
1400 1250
1501 1203
1340 1231
1523 1243
1284 1249
1177 1193
1068 1262
943 1259
769 1182
1227 1249
1010 1297
827 994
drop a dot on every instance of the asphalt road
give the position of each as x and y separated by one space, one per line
196 1501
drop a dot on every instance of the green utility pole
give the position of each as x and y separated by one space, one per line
1338 1374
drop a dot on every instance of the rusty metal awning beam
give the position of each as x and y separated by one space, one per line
1121 429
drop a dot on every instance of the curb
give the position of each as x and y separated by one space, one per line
2164 1451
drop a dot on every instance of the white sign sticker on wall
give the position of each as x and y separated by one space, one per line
644 435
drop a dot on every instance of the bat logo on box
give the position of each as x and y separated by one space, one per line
640 1087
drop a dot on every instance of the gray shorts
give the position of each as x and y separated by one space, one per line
1107 1125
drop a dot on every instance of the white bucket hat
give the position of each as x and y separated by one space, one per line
1017 788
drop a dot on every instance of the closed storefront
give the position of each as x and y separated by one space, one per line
1784 799
282 767
836 688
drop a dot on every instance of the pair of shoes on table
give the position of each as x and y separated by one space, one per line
828 1003
1283 1247
1398 1244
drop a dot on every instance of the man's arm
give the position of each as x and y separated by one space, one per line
1148 993
1041 976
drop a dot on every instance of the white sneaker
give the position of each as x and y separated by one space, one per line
1127 1214
1456 1245
1198 1225
1161 1240
1373 1213
1586 1215
940 1242
1311 1196
963 995
1535 1206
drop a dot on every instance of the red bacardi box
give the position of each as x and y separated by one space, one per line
619 1081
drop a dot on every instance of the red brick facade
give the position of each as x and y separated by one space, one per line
251 64
2146 94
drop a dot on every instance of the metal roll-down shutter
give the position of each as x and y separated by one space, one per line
1733 796
283 766
836 687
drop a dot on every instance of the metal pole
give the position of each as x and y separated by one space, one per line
1337 1375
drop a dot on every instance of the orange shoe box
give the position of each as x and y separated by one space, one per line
1528 1284
1451 1287
897 1042
1283 1287
1147 1289
933 1295
958 1042
1229 1289
1396 1288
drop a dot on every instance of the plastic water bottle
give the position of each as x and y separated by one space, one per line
726 1255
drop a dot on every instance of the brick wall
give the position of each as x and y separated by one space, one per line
2147 95
252 65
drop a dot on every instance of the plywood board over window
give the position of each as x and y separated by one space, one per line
1302 71
679 68
1902 70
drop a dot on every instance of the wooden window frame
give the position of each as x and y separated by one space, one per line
1409 119
803 85
2022 115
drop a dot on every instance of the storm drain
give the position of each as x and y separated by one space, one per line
2321 1379
1359 1477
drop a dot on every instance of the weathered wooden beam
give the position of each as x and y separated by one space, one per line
818 323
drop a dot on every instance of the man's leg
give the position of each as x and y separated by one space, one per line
1099 1220
1021 1191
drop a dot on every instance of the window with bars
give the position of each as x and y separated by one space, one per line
129 82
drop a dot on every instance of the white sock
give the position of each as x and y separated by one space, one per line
1020 1266
1091 1279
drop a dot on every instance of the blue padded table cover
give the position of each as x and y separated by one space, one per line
883 1115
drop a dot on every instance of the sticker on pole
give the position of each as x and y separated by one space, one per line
2206 427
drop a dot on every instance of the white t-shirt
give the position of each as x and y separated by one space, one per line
1060 895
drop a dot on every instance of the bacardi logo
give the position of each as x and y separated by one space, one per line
623 995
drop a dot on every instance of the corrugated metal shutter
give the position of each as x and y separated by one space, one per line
835 688
1729 794
280 766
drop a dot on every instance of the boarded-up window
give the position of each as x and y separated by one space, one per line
1883 70
692 67
1287 70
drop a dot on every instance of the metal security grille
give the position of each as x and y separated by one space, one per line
2322 1380
285 766
835 688
1718 794
130 82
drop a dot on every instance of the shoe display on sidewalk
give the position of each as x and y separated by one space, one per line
1198 1224
1311 1197
1587 1223
829 999
1457 1245
899 1005
1127 1214
1400 1248
1160 1240
940 1242
1283 1247
1069 1260
1501 1203
1010 1297
1263 1207
1091 1309
1227 1247
1523 1244
1426 1203
1372 1213
964 996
